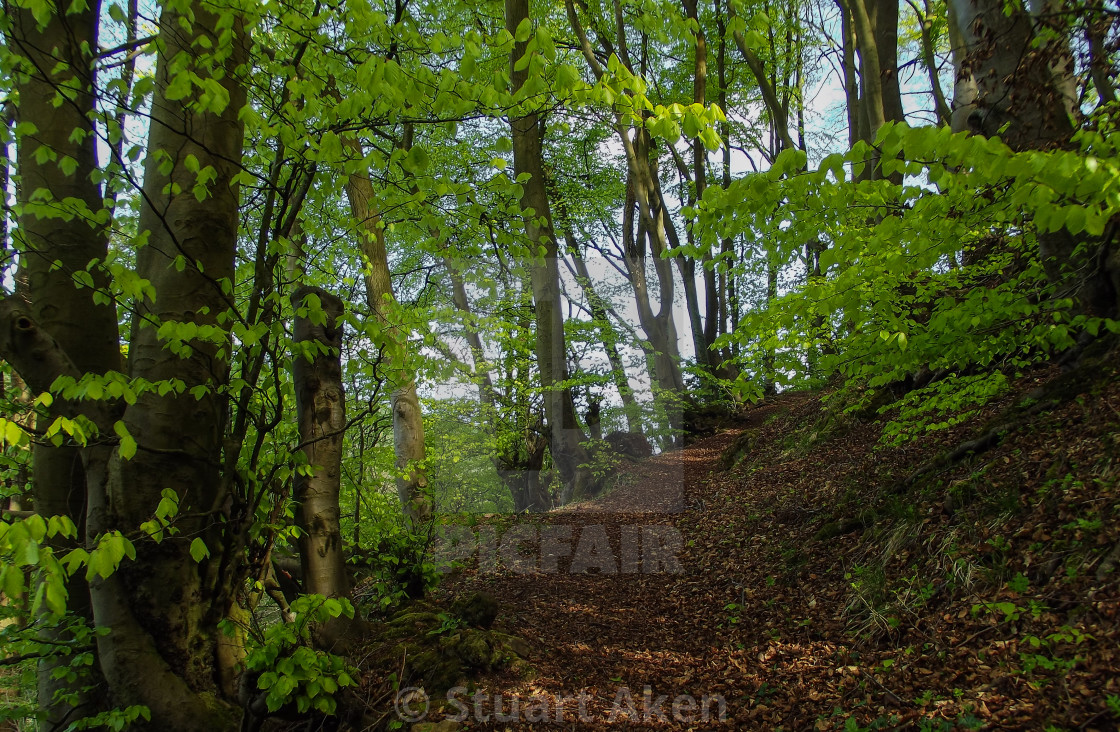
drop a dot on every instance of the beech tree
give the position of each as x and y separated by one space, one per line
164 607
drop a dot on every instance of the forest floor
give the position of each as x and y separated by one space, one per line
810 592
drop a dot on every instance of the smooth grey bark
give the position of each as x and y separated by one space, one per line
1014 81
129 657
884 22
519 463
462 303
1023 95
321 417
871 73
659 327
874 32
852 91
563 428
965 90
769 94
703 335
1097 26
607 332
929 59
726 275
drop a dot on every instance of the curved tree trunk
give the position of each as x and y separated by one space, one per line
610 342
408 420
164 608
643 190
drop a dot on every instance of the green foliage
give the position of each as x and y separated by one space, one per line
291 670
114 719
27 560
940 406
398 568
67 642
940 273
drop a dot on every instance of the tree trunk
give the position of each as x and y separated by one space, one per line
1014 81
929 59
610 341
59 236
1097 26
871 75
776 109
642 189
462 304
852 92
321 417
165 607
1023 94
703 340
565 434
965 89
408 420
884 22
519 462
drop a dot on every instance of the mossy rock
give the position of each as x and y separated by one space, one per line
447 725
474 649
517 646
437 671
439 657
834 529
477 609
412 623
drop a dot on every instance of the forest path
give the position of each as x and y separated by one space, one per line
693 629
812 596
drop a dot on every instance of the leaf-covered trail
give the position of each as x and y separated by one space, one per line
798 620
676 632
598 632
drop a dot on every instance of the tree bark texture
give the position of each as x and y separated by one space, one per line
321 416
59 236
565 435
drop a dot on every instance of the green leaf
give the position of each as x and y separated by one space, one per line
74 559
199 551
330 147
524 30
417 159
12 581
128 444
56 595
13 433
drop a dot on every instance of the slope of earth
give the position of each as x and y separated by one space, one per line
807 588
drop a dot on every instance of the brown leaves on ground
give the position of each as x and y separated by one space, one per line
808 597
